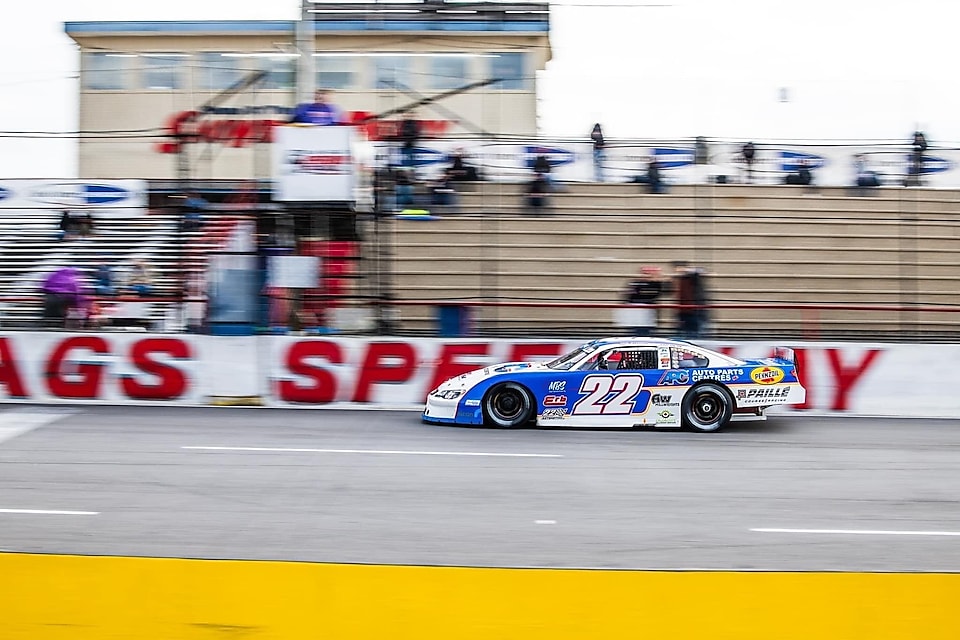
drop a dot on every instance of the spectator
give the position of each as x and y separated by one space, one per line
320 112
916 159
537 190
460 170
442 192
692 314
643 292
541 166
140 280
63 296
652 177
193 209
104 283
803 175
865 177
749 154
410 138
405 188
67 226
85 224
598 151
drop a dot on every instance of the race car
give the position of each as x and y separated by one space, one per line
621 382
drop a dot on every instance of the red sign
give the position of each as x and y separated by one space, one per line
187 127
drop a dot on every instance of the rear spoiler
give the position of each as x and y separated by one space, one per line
785 353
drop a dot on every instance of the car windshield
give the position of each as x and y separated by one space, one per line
566 361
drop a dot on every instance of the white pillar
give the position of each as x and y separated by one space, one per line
306 80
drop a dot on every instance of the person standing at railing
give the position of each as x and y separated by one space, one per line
599 153
916 159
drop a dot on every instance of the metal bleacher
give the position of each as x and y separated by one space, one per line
31 250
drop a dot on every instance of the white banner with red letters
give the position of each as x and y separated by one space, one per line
875 379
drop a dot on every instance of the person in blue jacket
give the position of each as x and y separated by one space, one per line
321 111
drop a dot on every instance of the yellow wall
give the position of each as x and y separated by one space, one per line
52 597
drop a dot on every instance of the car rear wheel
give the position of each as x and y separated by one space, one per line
707 407
508 405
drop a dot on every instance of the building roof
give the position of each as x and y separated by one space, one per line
523 17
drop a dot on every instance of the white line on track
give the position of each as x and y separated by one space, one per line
861 532
544 522
50 512
17 422
381 452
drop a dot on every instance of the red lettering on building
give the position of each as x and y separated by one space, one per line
83 380
322 383
186 127
171 382
449 365
846 377
386 362
9 374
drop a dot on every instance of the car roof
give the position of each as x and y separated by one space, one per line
640 342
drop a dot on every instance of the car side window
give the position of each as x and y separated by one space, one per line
688 359
638 359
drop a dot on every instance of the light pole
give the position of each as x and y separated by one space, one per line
305 47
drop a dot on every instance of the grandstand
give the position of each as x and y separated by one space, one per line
31 250
783 260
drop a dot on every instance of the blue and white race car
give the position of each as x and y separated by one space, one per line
621 382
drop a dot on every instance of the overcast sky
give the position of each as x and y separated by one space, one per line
848 69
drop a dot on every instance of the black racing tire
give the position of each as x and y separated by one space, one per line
508 405
707 407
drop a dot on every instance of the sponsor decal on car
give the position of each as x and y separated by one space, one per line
720 375
471 403
555 401
662 400
557 386
665 416
674 377
767 375
553 413
763 393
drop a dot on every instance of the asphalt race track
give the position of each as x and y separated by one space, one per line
380 487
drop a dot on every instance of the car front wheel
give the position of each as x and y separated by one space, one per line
508 405
707 407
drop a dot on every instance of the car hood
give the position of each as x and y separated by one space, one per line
469 379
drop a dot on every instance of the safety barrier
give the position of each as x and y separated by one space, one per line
866 379
48 597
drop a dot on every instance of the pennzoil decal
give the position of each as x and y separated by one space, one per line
767 375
